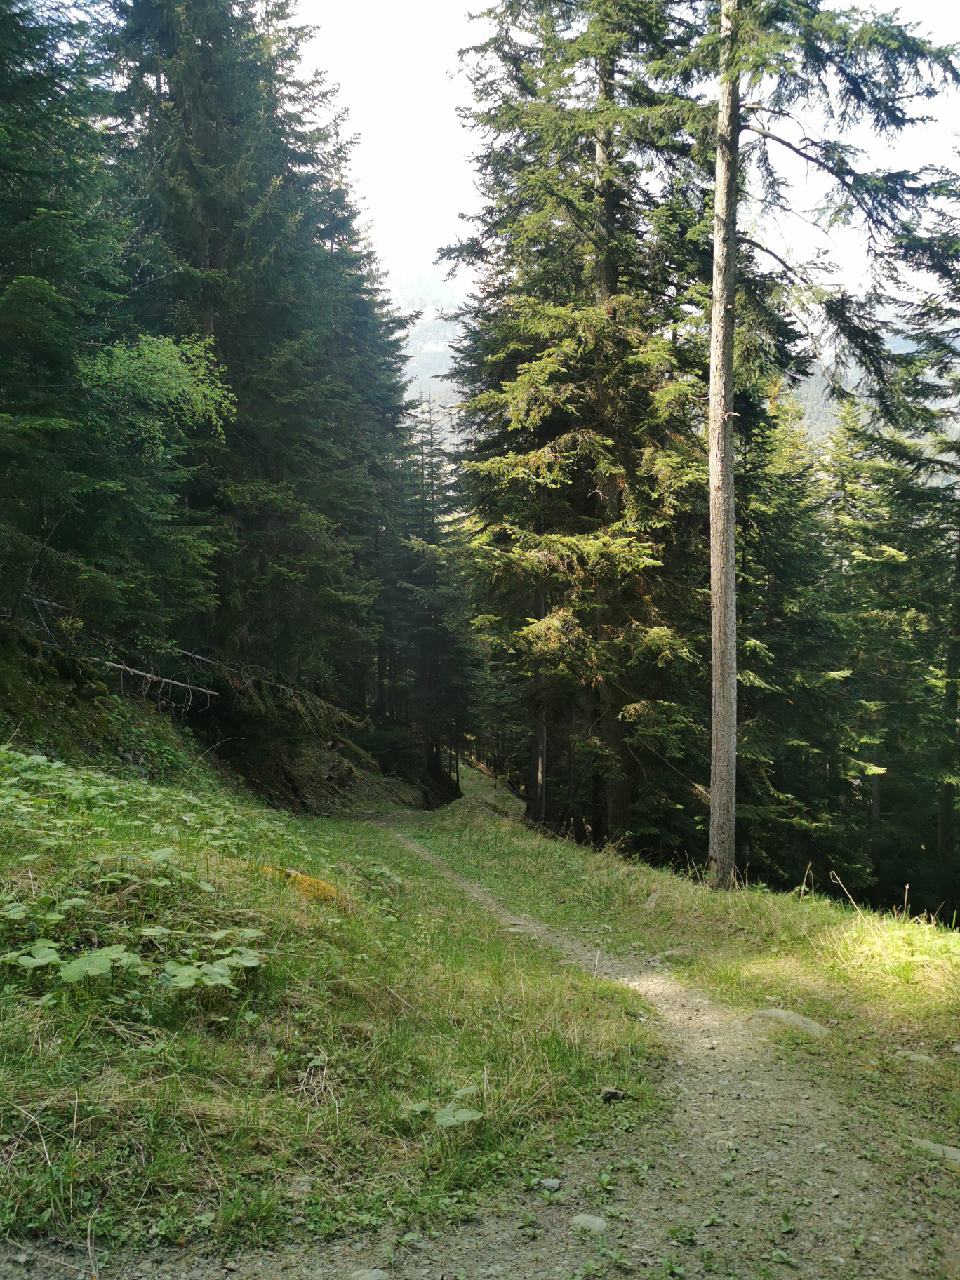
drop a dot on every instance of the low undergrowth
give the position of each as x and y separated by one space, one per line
193 1044
59 705
887 985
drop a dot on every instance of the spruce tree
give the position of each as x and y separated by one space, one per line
895 514
850 70
569 428
426 657
248 237
97 428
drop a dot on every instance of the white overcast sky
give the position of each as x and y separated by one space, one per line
396 64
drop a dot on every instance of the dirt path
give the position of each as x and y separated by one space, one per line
761 1172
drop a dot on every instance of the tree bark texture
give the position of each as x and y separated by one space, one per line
536 807
946 817
723 590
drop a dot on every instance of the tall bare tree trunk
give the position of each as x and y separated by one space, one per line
619 783
946 817
723 587
537 786
605 266
619 786
536 808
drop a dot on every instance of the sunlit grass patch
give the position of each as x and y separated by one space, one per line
886 984
899 956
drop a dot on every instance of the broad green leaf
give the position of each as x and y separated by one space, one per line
217 974
92 964
451 1117
182 976
41 953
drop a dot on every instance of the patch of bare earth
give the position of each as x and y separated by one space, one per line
762 1171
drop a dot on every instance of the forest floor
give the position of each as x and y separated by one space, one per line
643 1115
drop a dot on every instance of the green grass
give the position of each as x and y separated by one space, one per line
882 983
190 1047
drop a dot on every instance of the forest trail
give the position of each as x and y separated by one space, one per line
755 1169
762 1168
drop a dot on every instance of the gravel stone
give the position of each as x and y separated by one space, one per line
796 1021
938 1149
590 1223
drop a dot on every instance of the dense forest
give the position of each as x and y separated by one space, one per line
211 470
216 485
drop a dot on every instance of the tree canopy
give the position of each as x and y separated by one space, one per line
211 461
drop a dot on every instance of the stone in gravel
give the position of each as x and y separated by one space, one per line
908 1055
369 1273
549 1184
797 1021
938 1149
589 1222
298 1188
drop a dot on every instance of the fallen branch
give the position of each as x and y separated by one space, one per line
150 676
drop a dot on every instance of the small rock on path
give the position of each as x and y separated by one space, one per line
589 1222
938 1149
796 1021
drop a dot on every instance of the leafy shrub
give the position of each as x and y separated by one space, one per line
56 940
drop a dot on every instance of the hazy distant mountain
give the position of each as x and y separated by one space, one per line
428 351
820 410
429 359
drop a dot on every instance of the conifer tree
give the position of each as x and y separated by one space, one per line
425 655
96 427
567 439
248 237
850 69
894 508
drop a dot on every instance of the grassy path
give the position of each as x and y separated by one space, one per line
766 1171
469 972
